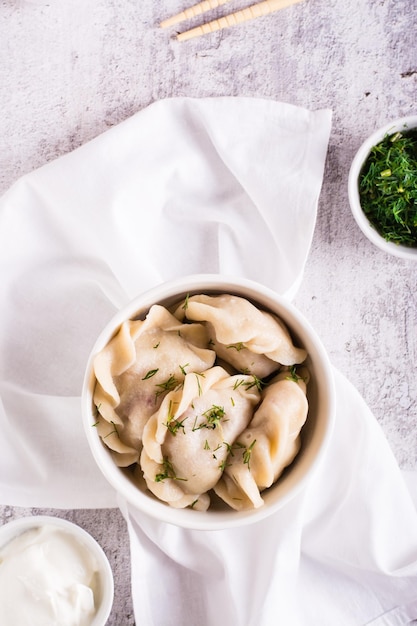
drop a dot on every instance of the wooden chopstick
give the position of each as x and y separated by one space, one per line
255 10
193 11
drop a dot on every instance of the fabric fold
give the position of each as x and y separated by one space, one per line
217 185
344 551
184 186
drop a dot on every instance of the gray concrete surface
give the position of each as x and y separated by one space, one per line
70 69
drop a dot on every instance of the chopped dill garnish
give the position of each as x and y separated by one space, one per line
168 472
248 384
223 465
292 375
257 382
157 345
247 454
212 418
200 391
237 346
246 451
182 368
112 432
169 385
206 445
150 374
215 450
388 188
229 448
185 305
174 425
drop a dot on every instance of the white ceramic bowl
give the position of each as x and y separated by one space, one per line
105 593
315 434
399 125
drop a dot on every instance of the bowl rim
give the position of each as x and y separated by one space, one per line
12 529
400 124
186 518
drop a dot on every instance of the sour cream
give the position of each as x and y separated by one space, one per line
47 578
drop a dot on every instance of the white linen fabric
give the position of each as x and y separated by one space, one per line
192 186
343 552
221 185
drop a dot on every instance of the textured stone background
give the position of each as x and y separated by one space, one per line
70 69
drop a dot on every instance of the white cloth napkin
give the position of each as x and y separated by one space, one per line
185 186
226 185
343 552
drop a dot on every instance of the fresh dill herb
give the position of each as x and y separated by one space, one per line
174 425
236 346
255 382
223 465
156 345
185 305
168 385
247 454
293 374
246 451
229 448
150 374
171 411
212 418
214 415
248 384
215 450
112 432
388 188
232 401
200 391
206 445
182 368
168 472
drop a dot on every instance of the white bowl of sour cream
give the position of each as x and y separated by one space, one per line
52 572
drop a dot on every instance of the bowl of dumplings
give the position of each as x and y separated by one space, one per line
208 402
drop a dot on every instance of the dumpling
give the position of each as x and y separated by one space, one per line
143 362
268 445
241 358
187 441
248 338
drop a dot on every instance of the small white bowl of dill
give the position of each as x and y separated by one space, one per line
382 188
